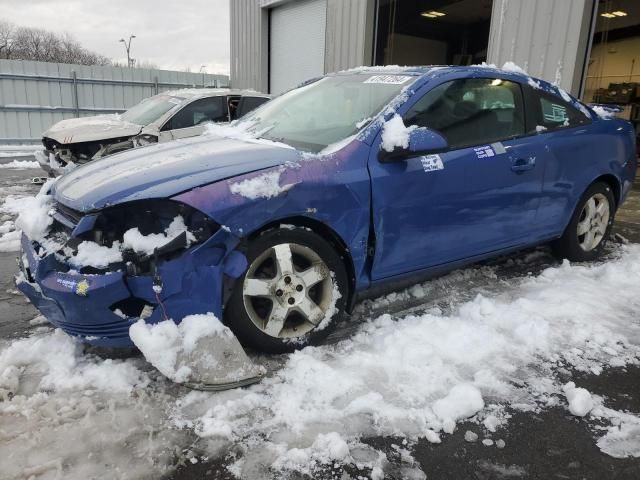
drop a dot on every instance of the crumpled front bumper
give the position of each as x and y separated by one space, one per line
84 305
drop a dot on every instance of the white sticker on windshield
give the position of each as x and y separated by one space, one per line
388 79
431 163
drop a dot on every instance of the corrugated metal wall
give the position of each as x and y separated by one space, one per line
35 95
349 38
548 38
249 45
348 43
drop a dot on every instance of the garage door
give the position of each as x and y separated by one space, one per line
296 43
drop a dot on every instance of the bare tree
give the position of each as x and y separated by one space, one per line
6 38
23 43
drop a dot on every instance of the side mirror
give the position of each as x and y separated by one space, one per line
422 141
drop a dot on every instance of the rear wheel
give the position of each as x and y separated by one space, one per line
292 293
587 233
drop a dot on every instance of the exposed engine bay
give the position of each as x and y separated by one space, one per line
63 157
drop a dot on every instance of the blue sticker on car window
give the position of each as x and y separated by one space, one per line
431 163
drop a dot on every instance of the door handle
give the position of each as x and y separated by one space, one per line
520 165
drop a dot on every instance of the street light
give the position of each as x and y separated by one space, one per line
127 46
202 71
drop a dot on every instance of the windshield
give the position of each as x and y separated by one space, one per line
317 115
151 109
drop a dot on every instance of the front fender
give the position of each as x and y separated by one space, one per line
332 189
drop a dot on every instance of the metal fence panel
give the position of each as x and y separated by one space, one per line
35 95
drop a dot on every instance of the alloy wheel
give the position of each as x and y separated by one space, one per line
593 223
288 290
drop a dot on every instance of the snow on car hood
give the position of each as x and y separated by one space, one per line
90 129
164 170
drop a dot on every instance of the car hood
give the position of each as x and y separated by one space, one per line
164 170
91 129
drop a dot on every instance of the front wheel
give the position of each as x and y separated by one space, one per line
587 232
291 295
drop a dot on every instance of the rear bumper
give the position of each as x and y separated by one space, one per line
91 306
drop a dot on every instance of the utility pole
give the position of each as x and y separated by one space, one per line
127 46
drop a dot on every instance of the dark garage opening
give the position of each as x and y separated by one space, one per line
432 32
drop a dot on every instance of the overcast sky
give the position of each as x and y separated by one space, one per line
170 34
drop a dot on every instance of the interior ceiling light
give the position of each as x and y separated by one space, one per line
607 15
496 82
619 13
433 14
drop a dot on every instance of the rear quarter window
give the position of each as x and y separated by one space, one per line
553 113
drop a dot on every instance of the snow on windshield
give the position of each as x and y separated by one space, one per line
414 374
325 112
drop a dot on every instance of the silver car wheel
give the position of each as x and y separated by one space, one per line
288 290
593 223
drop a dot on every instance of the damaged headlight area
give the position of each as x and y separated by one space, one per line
83 152
132 237
143 140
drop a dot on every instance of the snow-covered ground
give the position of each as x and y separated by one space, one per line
16 151
412 375
473 346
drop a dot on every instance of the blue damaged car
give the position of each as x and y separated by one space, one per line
349 185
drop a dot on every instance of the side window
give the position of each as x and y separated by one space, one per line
249 103
471 111
201 111
554 113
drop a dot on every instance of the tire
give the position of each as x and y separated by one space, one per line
574 245
269 305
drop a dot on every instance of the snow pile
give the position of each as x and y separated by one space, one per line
325 450
33 212
603 112
419 375
266 185
395 134
165 344
57 360
20 164
10 239
463 401
565 96
91 254
580 401
136 241
75 416
622 439
512 67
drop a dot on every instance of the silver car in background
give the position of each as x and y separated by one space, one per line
167 116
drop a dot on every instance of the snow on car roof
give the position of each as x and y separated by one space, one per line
210 92
508 67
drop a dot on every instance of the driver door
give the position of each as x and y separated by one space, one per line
190 121
479 196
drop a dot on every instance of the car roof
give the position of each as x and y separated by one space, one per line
193 93
509 69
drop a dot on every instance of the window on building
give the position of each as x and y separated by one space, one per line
471 111
430 32
212 109
554 113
